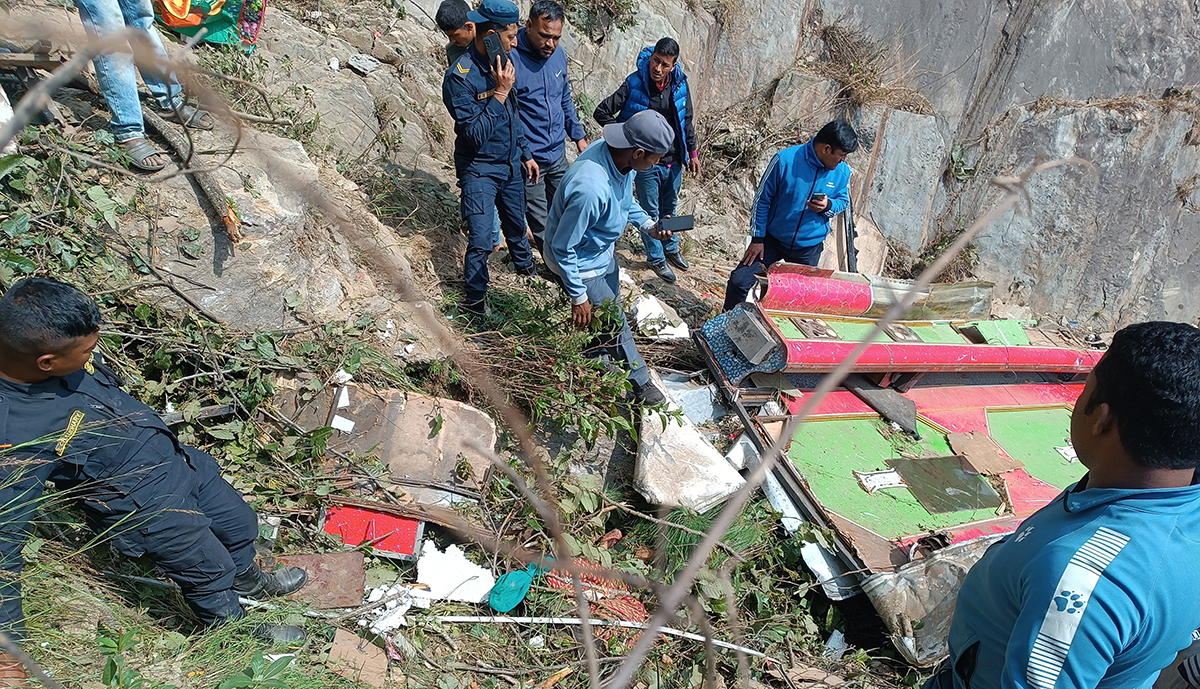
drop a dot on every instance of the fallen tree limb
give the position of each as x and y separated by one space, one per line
216 197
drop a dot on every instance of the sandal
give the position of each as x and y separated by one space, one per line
191 116
139 151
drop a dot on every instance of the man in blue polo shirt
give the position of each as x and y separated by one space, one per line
802 188
547 108
490 154
1099 589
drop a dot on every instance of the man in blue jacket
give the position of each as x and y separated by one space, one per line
659 84
801 189
1099 589
490 154
547 108
590 211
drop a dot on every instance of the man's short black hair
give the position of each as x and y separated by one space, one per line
452 15
667 47
39 316
838 134
548 10
1150 379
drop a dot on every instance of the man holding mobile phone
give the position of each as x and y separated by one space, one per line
490 154
802 188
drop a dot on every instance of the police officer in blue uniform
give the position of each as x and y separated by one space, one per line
64 418
491 157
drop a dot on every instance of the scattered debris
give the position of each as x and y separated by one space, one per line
606 597
807 677
391 604
388 535
701 403
511 588
356 659
836 646
420 438
335 580
451 576
500 619
655 322
676 466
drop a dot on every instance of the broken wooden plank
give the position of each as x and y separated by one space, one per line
31 60
890 404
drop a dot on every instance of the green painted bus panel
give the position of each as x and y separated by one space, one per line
787 328
828 452
1030 436
938 333
854 332
1011 333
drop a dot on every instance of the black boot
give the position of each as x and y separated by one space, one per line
276 634
255 583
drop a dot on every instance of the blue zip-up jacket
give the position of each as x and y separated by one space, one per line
1098 590
489 139
544 101
593 204
790 180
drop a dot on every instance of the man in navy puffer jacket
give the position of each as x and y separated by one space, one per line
802 188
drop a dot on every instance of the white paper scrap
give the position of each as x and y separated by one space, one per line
342 424
344 398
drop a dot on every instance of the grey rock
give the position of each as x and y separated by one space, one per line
363 64
907 164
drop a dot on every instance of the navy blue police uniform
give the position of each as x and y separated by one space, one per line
489 148
136 483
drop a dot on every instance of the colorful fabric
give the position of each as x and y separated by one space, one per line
229 22
610 600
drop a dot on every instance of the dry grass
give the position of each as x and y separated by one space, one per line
870 72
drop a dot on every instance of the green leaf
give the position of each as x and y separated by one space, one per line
237 682
104 137
192 249
277 667
16 262
9 163
293 299
438 421
18 224
110 671
221 434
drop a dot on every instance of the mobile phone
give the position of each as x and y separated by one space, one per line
492 43
679 223
818 197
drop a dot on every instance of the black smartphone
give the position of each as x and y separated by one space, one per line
818 197
679 223
494 50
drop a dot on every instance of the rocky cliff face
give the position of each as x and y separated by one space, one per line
982 88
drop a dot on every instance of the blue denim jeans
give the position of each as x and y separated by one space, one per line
613 340
657 190
115 71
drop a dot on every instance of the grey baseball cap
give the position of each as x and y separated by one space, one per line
647 130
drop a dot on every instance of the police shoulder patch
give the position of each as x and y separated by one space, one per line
69 432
